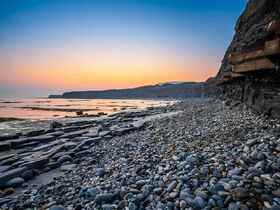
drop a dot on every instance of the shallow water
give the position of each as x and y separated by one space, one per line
38 112
42 109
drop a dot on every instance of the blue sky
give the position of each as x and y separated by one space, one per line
187 36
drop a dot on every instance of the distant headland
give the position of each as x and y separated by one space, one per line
161 90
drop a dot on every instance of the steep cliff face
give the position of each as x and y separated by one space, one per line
249 71
251 27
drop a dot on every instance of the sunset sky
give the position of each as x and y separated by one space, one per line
50 46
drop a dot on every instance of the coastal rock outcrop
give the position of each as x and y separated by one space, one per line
250 69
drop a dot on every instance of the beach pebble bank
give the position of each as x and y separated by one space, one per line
208 156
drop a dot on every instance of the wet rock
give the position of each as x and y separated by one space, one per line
74 134
82 154
9 191
6 176
104 133
27 175
100 172
240 193
252 142
170 164
68 167
63 159
108 207
15 182
106 198
171 186
4 168
233 206
57 208
5 146
89 193
36 164
233 172
55 124
199 202
9 137
34 133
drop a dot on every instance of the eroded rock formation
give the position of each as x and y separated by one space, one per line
250 69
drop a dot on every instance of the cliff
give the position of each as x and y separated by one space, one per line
249 71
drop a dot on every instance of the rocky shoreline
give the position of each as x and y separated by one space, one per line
198 154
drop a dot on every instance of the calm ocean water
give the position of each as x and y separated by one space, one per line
39 112
45 109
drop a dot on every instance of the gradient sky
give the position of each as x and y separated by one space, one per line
49 46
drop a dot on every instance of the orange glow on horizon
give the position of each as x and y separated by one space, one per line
103 71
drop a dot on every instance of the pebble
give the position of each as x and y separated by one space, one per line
65 158
206 157
15 182
100 172
57 208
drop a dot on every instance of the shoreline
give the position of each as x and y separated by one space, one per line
9 119
24 157
12 125
205 155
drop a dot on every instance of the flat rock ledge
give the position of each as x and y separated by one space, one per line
205 156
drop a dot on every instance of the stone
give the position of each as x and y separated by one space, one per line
252 142
93 132
27 175
199 202
68 167
239 193
9 191
57 208
92 192
108 207
34 133
276 193
171 186
5 157
82 154
183 204
191 202
63 159
4 168
55 124
7 175
106 198
9 137
100 172
15 182
36 164
233 206
104 133
74 134
233 172
185 194
157 191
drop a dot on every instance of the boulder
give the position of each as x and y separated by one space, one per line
15 182
8 175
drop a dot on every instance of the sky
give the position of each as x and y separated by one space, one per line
51 46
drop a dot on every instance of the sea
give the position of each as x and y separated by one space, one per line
37 113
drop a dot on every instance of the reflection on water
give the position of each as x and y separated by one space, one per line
44 109
38 112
